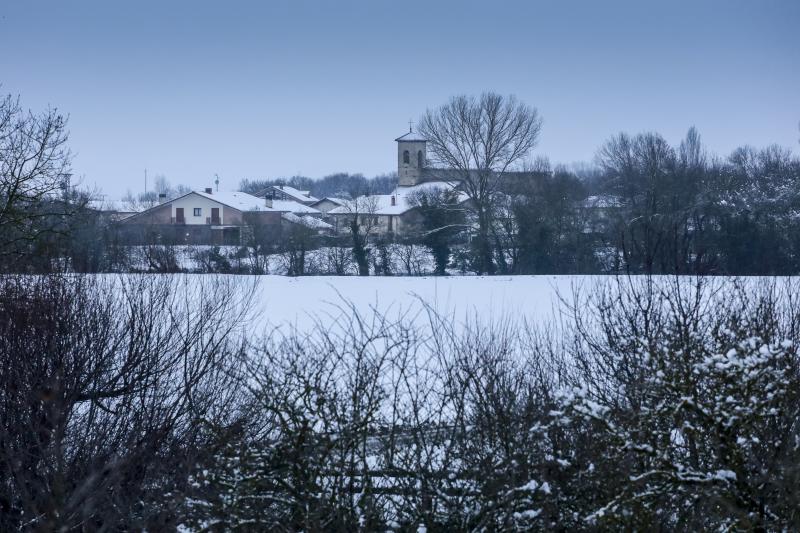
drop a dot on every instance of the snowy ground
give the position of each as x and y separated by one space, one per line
298 302
301 303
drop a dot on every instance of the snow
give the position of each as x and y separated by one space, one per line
411 136
238 200
725 475
530 486
303 302
527 515
307 301
247 202
603 201
381 204
308 221
293 207
333 199
300 196
299 302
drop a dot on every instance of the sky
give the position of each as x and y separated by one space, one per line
190 89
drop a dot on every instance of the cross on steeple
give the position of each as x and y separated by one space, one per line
410 126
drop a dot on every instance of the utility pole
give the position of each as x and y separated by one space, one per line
216 181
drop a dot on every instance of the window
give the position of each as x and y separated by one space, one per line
420 160
406 157
198 211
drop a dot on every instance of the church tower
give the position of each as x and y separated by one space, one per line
411 158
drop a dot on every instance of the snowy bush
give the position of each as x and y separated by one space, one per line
693 393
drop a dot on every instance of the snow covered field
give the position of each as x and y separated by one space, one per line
297 302
300 303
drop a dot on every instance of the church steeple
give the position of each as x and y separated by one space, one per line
411 157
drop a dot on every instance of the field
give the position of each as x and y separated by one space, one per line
298 302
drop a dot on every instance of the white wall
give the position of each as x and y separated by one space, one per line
190 202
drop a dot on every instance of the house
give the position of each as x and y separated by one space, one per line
208 217
286 193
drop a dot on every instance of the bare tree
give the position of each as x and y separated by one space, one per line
361 222
664 196
109 391
481 139
296 240
412 257
441 219
34 175
337 257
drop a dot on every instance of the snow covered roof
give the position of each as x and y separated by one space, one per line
297 194
332 199
411 136
238 200
308 221
291 206
381 204
247 202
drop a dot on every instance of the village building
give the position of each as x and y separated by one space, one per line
208 217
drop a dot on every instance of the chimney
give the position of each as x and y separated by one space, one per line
394 200
162 197
268 201
209 190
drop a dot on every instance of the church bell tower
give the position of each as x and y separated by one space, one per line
411 157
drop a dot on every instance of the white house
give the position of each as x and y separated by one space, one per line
217 217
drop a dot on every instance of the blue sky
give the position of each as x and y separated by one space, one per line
269 89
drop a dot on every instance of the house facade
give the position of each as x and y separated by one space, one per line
207 217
